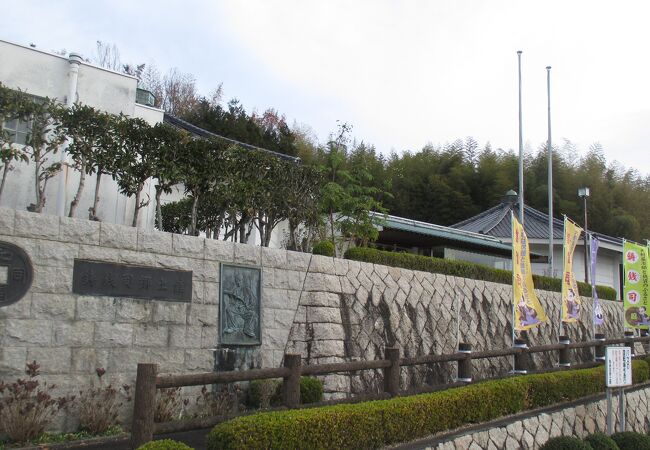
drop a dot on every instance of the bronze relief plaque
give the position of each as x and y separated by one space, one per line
239 305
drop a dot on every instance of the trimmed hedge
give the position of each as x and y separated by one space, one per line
165 444
565 443
325 248
629 440
464 270
600 441
311 391
402 419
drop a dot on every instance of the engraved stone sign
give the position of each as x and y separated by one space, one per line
16 273
239 305
123 280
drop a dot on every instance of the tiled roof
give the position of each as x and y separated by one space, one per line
442 232
496 222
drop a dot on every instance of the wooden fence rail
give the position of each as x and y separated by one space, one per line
148 380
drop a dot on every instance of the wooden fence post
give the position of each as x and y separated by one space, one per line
291 384
564 360
392 372
599 350
144 405
520 357
465 365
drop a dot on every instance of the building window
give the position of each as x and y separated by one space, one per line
19 130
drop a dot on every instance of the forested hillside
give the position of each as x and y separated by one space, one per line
446 184
438 184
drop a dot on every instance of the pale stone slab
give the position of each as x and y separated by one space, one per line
77 333
51 359
53 306
96 308
131 310
35 225
13 359
88 360
188 246
118 236
274 257
57 254
168 312
150 335
79 231
248 254
27 332
109 334
7 218
154 241
217 250
199 360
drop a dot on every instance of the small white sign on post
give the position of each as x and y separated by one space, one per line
618 363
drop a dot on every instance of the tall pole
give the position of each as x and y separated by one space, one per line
521 150
585 241
549 147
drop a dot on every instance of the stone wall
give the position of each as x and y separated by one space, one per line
352 310
529 433
326 309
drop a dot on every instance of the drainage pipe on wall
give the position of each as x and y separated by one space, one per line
73 75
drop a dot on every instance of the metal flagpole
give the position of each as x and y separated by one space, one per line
593 288
521 151
563 264
550 175
513 279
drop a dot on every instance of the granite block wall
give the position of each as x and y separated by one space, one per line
326 309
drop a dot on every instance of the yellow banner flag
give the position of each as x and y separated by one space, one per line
528 310
571 301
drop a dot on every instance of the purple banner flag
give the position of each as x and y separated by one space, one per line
599 318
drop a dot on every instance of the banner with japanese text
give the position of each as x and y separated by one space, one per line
599 317
528 311
635 285
571 301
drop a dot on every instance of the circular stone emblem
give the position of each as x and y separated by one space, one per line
16 273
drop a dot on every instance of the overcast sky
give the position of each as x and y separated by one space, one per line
403 73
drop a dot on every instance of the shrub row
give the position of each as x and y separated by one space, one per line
626 440
311 391
385 422
165 444
464 269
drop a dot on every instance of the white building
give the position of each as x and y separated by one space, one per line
70 79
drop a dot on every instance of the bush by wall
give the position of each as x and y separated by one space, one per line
565 443
629 440
600 441
464 270
385 422
311 391
165 444
325 248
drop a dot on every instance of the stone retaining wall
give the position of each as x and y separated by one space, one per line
326 309
530 433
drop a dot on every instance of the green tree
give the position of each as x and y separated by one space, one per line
85 128
14 105
42 144
137 146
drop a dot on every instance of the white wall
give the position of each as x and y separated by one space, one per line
46 75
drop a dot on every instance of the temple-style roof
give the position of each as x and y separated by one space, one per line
496 222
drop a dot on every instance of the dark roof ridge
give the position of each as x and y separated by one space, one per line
173 120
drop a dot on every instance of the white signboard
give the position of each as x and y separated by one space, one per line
618 364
